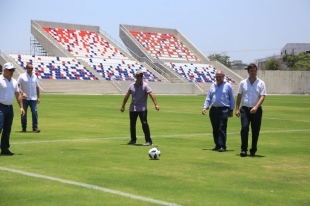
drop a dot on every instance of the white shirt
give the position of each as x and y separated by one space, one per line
7 90
29 85
251 92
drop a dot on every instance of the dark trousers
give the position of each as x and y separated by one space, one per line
145 126
219 118
255 120
34 107
6 120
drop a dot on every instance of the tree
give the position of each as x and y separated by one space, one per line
299 62
223 58
290 60
272 64
303 63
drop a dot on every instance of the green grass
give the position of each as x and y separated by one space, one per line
84 138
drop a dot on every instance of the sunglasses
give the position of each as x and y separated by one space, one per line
11 70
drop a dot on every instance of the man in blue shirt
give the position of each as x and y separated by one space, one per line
221 97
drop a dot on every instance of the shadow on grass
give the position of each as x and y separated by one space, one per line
212 150
139 145
30 131
255 156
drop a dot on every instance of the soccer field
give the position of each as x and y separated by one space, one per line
81 156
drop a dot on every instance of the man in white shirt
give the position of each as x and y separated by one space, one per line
252 91
8 88
29 88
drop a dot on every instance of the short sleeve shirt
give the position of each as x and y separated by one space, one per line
7 90
251 92
29 85
139 95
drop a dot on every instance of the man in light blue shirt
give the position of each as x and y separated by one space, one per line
221 97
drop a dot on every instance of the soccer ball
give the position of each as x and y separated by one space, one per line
154 153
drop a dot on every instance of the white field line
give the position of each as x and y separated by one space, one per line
95 187
158 136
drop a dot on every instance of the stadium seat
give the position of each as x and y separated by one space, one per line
98 53
46 67
119 69
196 72
163 46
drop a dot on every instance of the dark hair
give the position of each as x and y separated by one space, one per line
252 66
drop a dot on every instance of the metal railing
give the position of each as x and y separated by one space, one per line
50 39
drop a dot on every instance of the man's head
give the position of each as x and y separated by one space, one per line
29 68
219 76
139 76
8 70
252 70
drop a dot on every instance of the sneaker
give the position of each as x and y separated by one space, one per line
148 144
243 154
36 130
131 142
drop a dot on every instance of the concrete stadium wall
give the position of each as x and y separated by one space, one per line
283 82
168 88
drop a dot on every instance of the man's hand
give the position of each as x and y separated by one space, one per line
25 96
204 111
122 109
157 107
22 111
253 110
237 112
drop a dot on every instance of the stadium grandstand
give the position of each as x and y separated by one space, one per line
84 59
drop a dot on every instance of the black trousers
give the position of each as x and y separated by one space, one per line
255 120
145 126
219 118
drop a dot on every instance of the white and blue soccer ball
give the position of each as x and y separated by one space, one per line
154 153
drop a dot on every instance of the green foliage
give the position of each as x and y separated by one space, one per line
272 64
298 62
290 60
223 58
83 139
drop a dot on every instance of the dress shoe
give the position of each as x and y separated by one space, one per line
252 154
7 152
24 130
222 149
131 142
243 154
36 130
